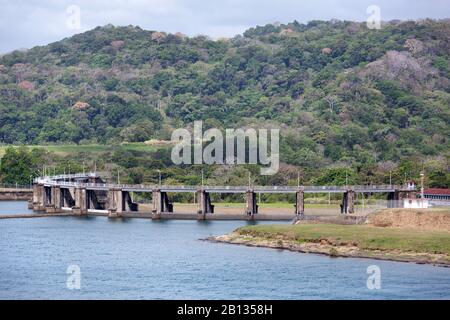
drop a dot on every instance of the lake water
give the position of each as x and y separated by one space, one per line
144 259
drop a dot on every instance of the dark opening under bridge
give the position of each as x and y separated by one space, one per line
82 194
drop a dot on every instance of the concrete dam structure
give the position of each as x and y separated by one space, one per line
82 194
16 193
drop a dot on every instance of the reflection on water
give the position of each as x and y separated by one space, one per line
144 259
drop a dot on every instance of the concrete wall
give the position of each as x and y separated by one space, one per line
15 195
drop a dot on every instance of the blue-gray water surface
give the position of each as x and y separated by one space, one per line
144 259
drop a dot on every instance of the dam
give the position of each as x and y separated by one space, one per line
82 194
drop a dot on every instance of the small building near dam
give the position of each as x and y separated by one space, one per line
437 194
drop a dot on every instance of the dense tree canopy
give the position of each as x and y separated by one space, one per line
343 95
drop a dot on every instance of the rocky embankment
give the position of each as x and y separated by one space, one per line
418 236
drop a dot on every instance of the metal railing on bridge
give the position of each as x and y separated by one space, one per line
15 186
64 180
47 179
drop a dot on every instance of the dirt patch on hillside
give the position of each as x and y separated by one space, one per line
427 219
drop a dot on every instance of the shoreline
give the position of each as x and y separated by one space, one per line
333 251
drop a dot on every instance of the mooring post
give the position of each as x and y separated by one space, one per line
300 203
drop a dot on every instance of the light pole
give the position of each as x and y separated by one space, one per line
346 179
298 179
249 179
202 178
390 178
422 176
159 178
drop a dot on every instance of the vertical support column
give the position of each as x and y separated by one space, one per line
348 202
201 204
344 203
204 204
119 201
300 203
80 201
156 204
38 197
351 201
32 202
251 206
35 195
55 200
115 201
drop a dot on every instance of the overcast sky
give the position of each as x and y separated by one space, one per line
27 23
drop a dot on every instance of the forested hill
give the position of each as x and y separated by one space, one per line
339 91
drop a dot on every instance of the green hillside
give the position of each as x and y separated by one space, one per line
341 93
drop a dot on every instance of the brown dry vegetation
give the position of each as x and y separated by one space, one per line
427 219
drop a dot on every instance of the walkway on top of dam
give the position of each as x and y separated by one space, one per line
77 180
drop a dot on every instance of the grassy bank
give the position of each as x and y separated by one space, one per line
364 237
417 244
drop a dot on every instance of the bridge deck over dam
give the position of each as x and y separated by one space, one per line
87 193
